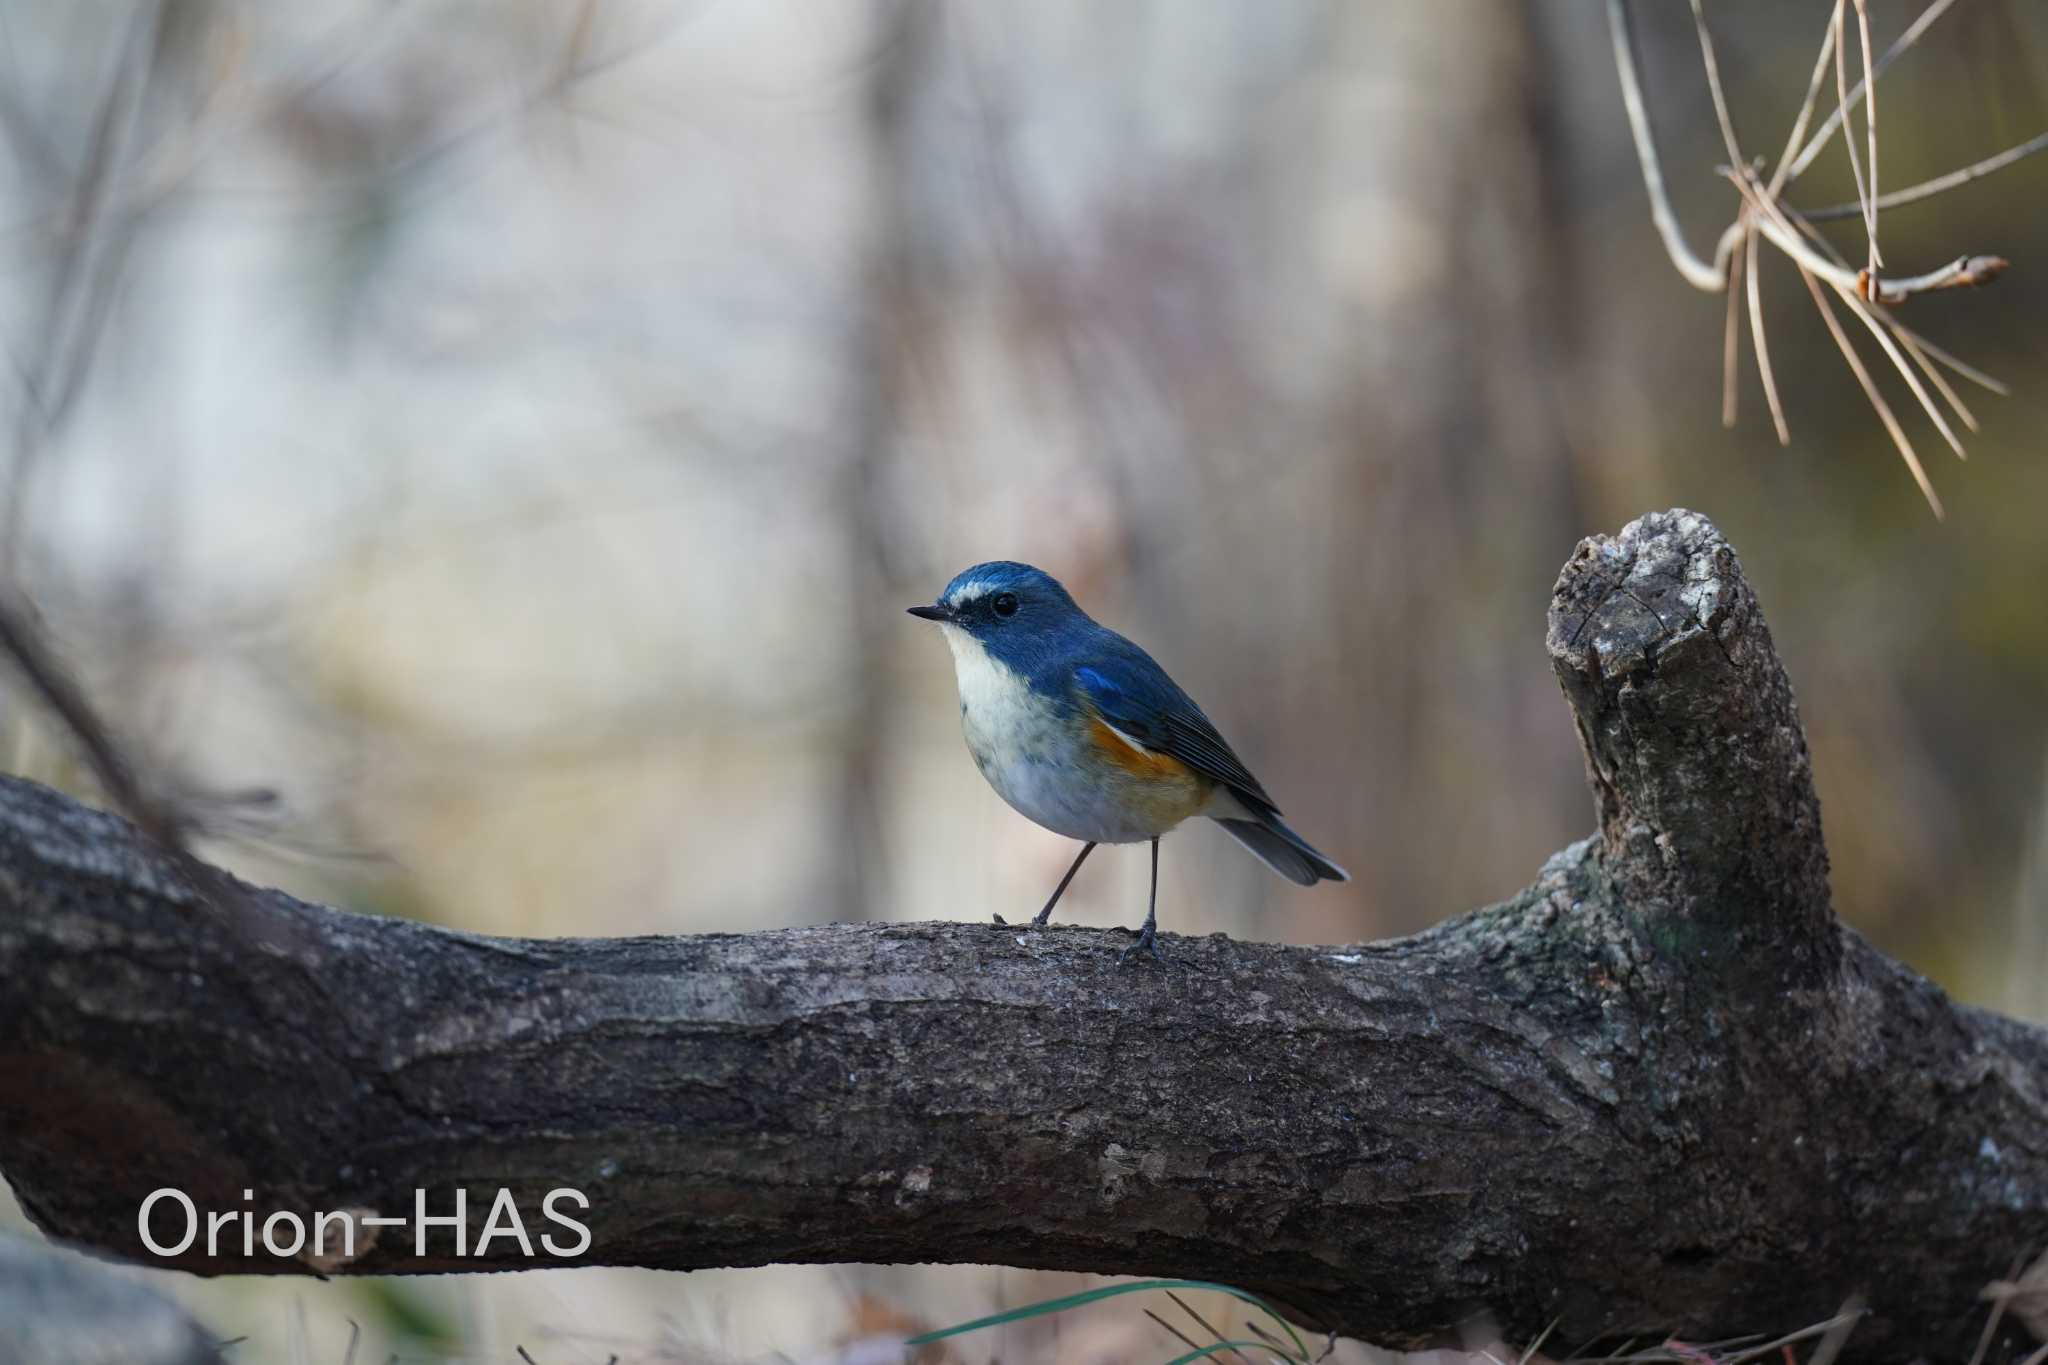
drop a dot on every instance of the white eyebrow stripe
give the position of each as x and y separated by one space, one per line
973 592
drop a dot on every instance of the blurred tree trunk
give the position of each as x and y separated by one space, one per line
1281 286
1451 374
882 334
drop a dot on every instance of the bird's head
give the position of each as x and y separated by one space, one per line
1009 609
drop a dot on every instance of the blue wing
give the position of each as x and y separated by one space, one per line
1131 692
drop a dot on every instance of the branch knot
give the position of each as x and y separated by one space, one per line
1693 746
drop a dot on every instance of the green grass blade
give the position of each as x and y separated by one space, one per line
1088 1296
1204 1352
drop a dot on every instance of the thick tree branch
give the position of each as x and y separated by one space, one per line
1695 752
1660 1090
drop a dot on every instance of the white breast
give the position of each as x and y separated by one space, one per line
1029 755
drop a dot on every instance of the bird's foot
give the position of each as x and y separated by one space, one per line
1148 942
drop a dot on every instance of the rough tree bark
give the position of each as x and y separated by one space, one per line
1660 1090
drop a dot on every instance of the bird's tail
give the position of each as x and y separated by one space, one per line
1286 852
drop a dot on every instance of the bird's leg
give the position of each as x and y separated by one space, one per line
1058 891
1039 921
1148 936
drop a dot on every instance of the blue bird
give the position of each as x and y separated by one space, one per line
1079 730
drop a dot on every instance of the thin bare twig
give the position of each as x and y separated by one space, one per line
1954 362
22 644
1870 391
1962 271
1911 339
1721 114
1837 1336
1764 215
1927 189
1834 119
1898 359
1731 337
1282 1355
1773 222
1932 371
1763 351
1848 1317
1203 1323
1745 253
1696 272
1998 1302
1529 1353
1712 276
75 302
1870 127
1848 135
162 821
1175 1332
1806 107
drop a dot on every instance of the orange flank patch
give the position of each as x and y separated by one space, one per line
1139 763
1154 791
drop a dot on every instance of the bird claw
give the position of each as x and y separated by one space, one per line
1148 942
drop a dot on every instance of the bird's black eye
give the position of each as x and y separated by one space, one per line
1004 604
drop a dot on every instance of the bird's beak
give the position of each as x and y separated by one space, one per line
935 612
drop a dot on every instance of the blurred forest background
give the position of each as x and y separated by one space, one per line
511 431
